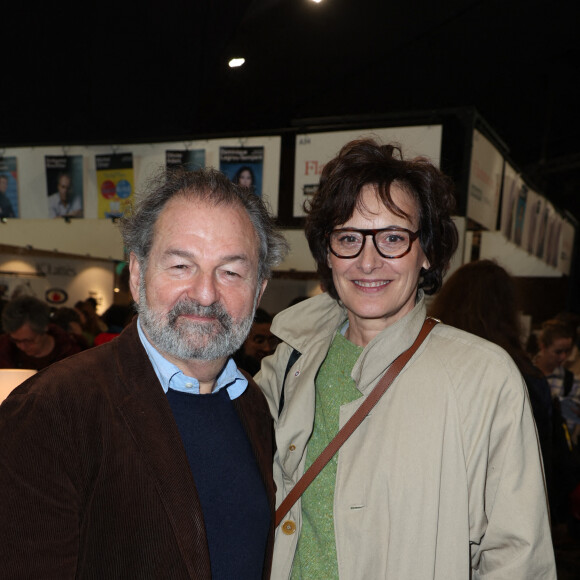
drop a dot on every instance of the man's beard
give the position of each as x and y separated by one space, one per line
186 339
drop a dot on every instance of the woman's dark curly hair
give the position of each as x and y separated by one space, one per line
366 162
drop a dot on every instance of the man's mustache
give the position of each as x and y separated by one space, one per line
192 307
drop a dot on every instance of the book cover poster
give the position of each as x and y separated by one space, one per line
542 229
190 159
314 150
64 185
520 216
8 188
533 222
244 166
566 247
485 180
115 184
510 188
553 239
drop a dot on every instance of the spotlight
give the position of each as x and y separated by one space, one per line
236 62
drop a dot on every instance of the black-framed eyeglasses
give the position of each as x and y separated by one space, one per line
390 242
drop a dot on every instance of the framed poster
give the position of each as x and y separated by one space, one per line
8 188
116 184
485 180
314 150
64 185
191 159
244 166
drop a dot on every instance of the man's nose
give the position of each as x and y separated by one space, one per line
203 288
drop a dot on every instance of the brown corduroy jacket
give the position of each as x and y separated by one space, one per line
94 479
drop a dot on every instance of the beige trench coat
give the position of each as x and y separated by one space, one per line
442 480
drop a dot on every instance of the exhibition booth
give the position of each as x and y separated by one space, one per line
500 213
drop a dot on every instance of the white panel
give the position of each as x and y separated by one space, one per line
484 182
315 149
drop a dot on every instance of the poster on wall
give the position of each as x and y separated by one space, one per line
512 183
314 150
485 180
8 188
520 214
64 185
115 184
190 159
533 222
542 229
553 238
566 248
244 166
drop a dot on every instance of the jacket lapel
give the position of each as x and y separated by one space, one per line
148 417
257 422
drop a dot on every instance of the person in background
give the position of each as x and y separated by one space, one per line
555 344
116 317
30 340
69 320
572 362
151 455
443 479
64 203
91 321
260 343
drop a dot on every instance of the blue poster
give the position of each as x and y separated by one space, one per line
243 165
8 188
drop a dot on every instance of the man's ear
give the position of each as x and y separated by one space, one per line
134 276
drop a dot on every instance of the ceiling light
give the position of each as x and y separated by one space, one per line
235 62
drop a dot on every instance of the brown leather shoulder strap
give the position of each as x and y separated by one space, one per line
357 418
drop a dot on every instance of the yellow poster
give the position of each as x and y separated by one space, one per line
115 183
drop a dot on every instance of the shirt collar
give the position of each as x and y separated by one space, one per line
169 375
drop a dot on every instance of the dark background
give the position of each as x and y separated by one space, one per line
132 71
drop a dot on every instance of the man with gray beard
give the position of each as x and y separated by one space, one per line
151 456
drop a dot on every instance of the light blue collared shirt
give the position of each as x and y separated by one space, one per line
169 375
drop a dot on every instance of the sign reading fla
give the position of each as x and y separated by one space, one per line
56 296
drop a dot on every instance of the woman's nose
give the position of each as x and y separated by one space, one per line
369 258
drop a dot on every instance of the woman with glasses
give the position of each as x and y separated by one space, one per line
443 478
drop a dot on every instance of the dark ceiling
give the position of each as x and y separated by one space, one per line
126 71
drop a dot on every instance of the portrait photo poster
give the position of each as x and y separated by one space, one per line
244 166
64 185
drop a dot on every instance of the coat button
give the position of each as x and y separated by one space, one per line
288 527
292 447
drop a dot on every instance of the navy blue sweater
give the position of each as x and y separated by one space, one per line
231 491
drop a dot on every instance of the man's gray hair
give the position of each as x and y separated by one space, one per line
210 186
